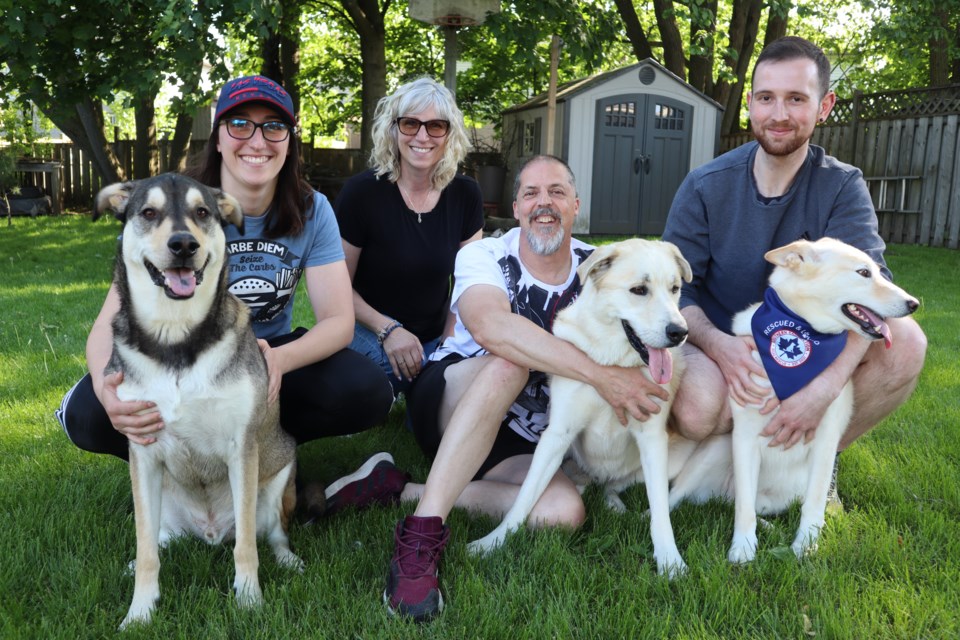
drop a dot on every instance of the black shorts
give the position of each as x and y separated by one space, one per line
423 406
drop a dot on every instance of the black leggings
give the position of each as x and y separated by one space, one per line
343 393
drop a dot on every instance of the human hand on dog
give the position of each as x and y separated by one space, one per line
741 370
799 415
136 419
405 353
274 371
629 391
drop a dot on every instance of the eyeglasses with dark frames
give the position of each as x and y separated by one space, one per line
243 129
411 127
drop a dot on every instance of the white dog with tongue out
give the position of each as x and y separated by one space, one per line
819 291
626 315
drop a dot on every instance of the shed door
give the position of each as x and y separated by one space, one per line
641 154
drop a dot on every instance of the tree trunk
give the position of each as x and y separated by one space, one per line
290 51
270 52
777 19
146 154
183 131
638 39
670 35
744 27
281 51
182 134
368 20
90 118
939 49
702 47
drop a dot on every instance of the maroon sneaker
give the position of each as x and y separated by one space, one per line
412 586
377 481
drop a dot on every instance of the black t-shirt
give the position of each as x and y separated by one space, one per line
405 265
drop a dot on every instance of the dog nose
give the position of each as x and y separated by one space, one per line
182 245
676 333
913 305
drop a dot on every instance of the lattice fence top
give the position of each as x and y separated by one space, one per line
910 103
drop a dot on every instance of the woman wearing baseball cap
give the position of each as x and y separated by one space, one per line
324 388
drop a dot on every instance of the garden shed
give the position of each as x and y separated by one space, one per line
630 135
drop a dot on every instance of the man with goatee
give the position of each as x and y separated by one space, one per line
481 402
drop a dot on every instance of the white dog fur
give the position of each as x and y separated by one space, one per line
633 284
818 281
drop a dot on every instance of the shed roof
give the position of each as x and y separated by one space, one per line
573 88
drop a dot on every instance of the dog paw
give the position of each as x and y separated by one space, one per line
135 619
248 593
742 550
615 504
804 548
289 560
672 567
485 545
140 612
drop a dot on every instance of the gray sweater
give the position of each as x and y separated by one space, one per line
723 226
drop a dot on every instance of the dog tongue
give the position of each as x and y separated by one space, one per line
887 336
879 325
661 365
181 281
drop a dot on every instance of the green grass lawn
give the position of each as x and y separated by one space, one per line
887 568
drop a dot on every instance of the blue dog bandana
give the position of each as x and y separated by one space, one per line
792 352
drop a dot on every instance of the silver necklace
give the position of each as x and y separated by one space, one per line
414 208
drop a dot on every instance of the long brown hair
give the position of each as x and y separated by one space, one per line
292 199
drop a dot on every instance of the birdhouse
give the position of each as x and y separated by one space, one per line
453 13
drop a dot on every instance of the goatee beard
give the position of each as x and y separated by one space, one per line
539 244
784 148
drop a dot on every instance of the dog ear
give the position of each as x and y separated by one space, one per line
685 270
115 198
230 210
598 263
791 256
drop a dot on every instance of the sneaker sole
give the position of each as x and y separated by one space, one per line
362 472
392 613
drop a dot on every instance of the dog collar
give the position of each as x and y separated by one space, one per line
792 352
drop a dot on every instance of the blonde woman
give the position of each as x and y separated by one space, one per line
402 222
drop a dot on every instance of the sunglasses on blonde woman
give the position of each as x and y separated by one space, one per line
435 128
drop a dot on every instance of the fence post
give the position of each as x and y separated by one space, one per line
855 126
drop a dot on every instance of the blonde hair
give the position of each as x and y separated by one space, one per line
415 97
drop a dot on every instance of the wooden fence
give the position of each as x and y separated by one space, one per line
326 169
906 143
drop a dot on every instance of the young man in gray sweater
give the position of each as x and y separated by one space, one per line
760 196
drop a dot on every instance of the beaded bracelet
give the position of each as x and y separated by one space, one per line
387 330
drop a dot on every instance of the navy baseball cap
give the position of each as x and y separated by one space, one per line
255 89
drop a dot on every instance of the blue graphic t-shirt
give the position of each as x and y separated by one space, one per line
264 273
496 262
792 352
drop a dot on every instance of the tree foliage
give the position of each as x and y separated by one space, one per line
909 43
69 60
509 56
339 57
873 44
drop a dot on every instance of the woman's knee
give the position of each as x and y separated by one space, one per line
86 423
